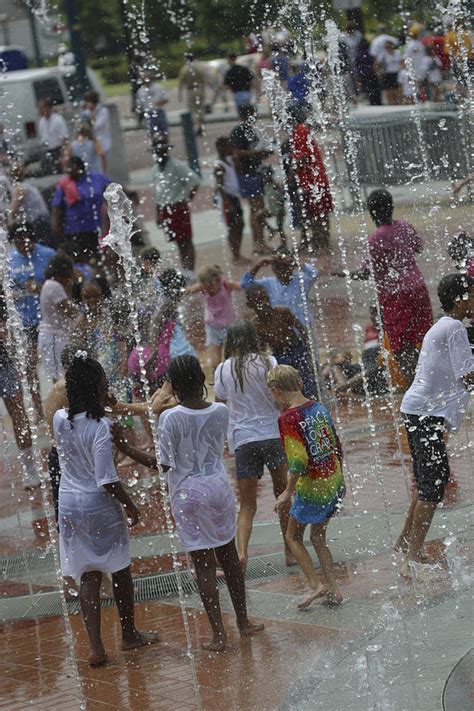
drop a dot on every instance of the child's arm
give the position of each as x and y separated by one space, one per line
286 495
118 492
194 289
233 285
118 438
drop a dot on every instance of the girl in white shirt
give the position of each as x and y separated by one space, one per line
253 434
192 437
93 505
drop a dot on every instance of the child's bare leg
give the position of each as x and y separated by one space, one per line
205 567
247 511
125 599
215 355
294 538
234 575
281 228
279 479
422 518
235 239
318 539
90 607
403 539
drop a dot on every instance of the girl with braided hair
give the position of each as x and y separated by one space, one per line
192 437
93 505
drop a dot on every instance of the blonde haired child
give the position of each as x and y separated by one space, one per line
315 479
219 310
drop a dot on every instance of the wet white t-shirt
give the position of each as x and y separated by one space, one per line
253 416
85 452
52 318
438 389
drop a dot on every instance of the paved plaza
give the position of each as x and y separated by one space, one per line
392 645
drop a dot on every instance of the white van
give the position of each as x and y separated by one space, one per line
20 92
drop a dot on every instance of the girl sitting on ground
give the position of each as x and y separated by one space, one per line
94 506
192 437
253 434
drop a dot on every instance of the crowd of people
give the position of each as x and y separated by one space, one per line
267 402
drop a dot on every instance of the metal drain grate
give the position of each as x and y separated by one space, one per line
148 587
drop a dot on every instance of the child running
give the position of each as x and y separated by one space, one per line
315 478
434 404
219 310
253 434
93 505
192 437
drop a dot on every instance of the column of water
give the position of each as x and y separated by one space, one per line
121 229
19 339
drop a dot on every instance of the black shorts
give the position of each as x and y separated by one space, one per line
232 210
390 80
430 459
31 333
252 457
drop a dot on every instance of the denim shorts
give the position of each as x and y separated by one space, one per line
215 335
242 98
250 458
250 185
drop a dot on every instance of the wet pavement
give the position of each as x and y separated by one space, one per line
315 659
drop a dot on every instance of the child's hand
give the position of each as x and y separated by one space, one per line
132 513
118 437
282 500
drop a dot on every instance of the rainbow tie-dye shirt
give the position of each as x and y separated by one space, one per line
314 452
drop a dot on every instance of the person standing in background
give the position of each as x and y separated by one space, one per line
99 117
53 132
192 77
175 186
150 101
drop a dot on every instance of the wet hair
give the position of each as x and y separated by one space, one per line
452 288
222 142
92 97
253 290
60 266
150 254
21 229
458 248
173 283
208 273
86 130
242 346
76 162
284 377
380 206
84 377
67 356
186 376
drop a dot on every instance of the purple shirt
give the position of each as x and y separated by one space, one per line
85 215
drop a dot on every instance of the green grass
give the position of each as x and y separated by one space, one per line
124 88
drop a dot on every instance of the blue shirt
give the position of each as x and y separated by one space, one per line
287 294
299 86
86 214
23 269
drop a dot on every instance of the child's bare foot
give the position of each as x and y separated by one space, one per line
250 629
334 599
290 560
401 545
405 570
98 657
218 644
140 639
315 594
